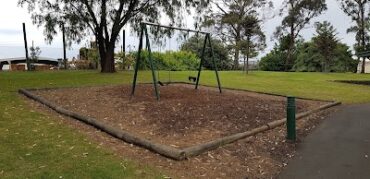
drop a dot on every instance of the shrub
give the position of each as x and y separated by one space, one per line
170 60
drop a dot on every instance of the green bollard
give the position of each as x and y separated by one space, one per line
291 119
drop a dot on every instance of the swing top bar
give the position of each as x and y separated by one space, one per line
171 27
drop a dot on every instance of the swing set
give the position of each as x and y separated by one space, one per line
144 31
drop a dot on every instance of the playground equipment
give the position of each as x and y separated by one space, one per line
144 31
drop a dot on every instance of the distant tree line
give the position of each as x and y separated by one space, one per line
323 53
236 24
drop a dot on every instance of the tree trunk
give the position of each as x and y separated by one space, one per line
248 61
289 59
248 52
107 65
363 43
106 53
237 51
244 66
236 58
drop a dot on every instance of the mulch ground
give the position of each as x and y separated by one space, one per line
182 118
260 156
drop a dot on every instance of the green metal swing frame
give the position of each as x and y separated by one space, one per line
144 31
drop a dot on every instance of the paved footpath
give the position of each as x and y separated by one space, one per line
338 148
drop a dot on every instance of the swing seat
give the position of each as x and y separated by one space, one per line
164 84
160 83
192 79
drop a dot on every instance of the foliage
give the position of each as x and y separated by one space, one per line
124 60
34 54
311 59
236 22
359 11
326 43
275 60
89 57
195 45
325 53
104 19
299 14
169 60
81 64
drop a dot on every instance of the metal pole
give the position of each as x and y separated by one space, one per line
214 63
201 61
172 27
291 119
26 47
137 65
64 48
151 64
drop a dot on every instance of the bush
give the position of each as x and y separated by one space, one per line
173 61
273 61
221 53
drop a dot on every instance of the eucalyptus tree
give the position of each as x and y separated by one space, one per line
104 19
359 11
229 18
297 15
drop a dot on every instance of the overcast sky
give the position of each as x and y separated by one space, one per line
12 17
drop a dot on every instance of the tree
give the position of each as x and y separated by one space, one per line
299 14
274 61
311 59
231 18
255 39
103 18
358 10
195 45
324 52
326 42
34 53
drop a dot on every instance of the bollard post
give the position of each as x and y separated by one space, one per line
291 119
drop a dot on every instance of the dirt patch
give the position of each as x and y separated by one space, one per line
182 118
261 156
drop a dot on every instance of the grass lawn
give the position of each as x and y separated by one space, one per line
33 145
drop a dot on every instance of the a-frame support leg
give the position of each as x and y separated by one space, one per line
155 82
214 63
138 59
201 61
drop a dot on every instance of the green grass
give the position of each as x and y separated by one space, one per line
308 85
33 145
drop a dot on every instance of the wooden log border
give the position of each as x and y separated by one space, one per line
168 151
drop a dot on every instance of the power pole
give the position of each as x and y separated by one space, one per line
123 48
124 41
64 48
26 47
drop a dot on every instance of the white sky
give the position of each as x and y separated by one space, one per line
12 17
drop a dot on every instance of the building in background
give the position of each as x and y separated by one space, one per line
20 64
